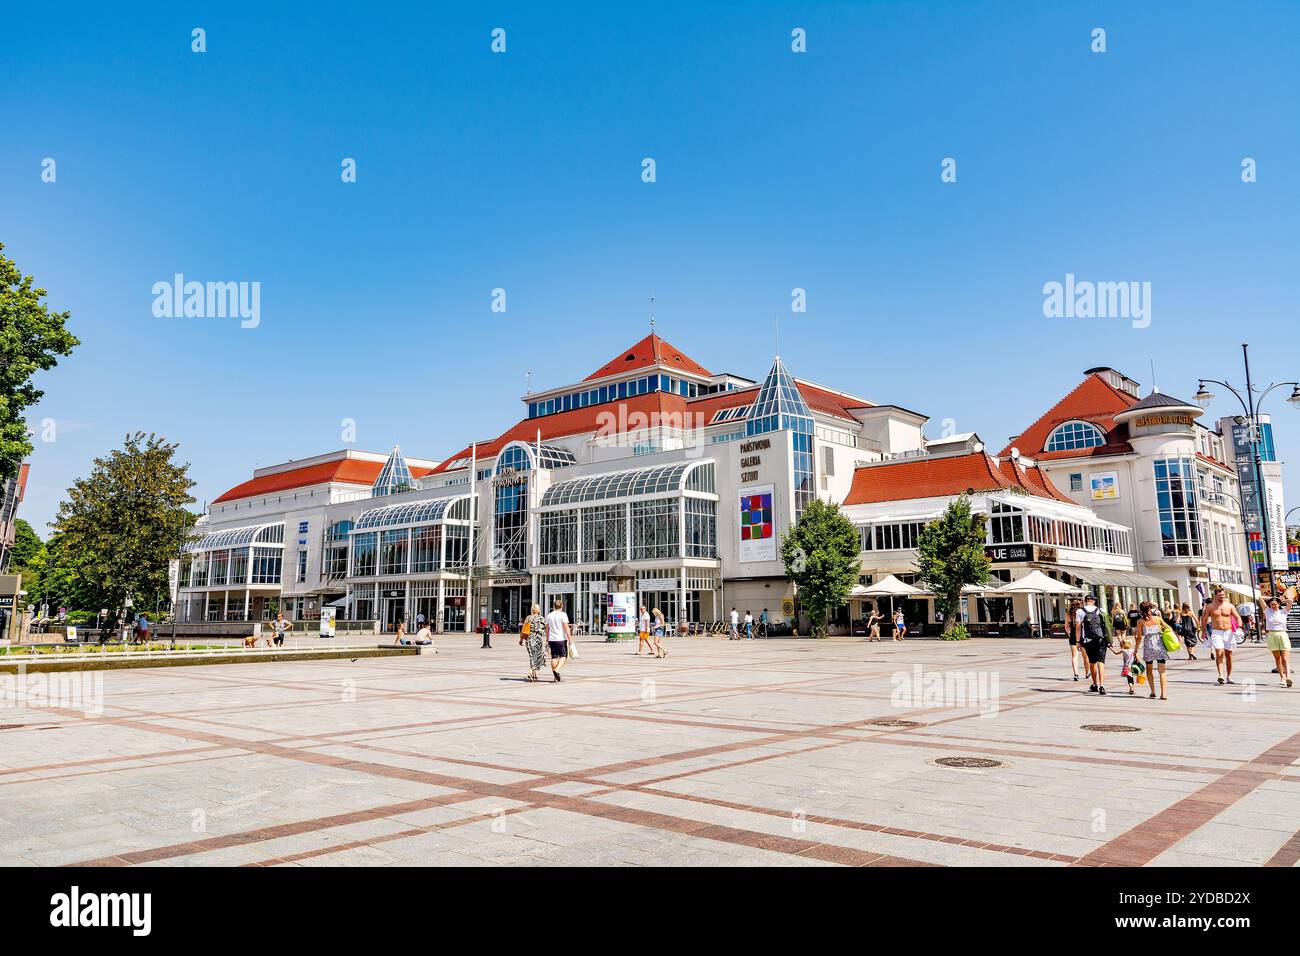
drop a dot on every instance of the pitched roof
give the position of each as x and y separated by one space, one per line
651 350
353 471
1160 400
658 408
943 476
1092 400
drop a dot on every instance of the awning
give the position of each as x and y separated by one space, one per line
1240 590
1118 579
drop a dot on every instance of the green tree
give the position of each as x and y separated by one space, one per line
950 555
821 557
27 545
118 528
31 339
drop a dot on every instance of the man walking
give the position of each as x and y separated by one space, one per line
558 635
733 633
1092 634
1223 621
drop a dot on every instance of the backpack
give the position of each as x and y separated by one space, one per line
1092 628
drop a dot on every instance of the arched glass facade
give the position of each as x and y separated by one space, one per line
1074 435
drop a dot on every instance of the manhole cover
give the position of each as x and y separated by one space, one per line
1111 728
968 763
893 722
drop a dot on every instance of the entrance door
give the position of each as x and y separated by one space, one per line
394 611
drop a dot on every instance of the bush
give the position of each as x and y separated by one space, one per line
958 633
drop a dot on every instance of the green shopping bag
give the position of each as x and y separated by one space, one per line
1169 638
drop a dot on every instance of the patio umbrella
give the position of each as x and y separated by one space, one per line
1038 584
888 586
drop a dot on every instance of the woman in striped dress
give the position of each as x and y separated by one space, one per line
534 638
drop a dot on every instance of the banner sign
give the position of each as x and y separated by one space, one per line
757 523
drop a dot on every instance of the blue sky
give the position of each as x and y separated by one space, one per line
522 171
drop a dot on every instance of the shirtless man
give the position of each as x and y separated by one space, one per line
1223 640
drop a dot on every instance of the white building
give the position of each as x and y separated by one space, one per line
688 476
1149 464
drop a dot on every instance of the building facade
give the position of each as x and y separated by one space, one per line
688 476
1148 464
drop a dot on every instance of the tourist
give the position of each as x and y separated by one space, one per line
733 632
1074 634
762 623
401 633
873 622
643 633
279 626
1279 643
142 628
1153 646
1118 620
532 635
657 628
749 626
1224 622
1133 615
1093 642
900 625
1186 628
1128 655
558 635
424 636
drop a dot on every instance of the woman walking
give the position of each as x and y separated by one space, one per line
1073 629
532 635
1153 646
1279 644
873 624
657 628
1186 628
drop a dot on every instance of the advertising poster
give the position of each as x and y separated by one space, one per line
620 617
1105 485
757 523
327 621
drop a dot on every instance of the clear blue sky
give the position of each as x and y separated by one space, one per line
522 171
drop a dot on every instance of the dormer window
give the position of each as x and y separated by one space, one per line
1074 435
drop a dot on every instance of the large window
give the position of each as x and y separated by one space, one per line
802 466
1180 520
510 524
393 547
425 544
655 528
266 564
1075 435
604 533
363 554
1006 524
558 531
701 520
457 547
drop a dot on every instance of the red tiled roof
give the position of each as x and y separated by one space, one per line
651 350
356 471
1092 400
943 476
828 402
657 407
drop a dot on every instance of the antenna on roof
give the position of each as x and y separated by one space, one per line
529 374
778 335
1155 386
652 314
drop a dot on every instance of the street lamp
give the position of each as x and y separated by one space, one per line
1250 405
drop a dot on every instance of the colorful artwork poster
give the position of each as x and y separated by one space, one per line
1105 485
757 523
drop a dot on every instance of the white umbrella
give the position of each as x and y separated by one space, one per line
1038 583
888 586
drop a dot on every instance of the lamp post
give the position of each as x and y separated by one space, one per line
1250 405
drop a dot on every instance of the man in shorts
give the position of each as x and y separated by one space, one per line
1091 631
558 635
733 632
1221 617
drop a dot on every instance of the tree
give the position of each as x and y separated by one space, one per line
118 528
950 555
821 557
27 545
31 339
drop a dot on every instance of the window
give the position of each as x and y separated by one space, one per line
425 544
363 554
302 567
1076 481
1180 519
266 565
1006 525
393 550
604 533
1074 435
655 528
701 527
558 534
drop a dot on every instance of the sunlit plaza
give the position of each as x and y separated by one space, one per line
765 752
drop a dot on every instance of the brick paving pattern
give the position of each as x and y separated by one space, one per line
750 753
